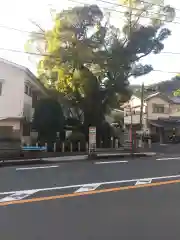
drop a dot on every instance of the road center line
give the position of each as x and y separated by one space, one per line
171 158
98 183
32 168
111 162
40 199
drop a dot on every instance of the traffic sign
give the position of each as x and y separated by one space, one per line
92 139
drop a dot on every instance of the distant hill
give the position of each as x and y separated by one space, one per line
166 87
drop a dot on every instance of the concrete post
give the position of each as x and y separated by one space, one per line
71 148
116 143
62 147
79 146
112 142
54 147
149 143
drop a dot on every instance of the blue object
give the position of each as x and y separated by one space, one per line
33 148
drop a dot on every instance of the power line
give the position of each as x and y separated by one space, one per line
124 6
104 1
154 4
38 54
118 11
20 30
50 55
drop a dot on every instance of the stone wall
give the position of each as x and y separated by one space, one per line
9 147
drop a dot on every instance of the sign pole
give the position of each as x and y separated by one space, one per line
92 142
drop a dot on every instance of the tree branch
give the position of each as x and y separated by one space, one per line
37 25
144 55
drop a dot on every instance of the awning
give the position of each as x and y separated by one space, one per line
165 123
156 124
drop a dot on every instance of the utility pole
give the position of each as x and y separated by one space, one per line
142 106
130 30
141 112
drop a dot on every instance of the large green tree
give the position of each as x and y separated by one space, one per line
90 60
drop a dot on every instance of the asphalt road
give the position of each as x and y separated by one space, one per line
116 199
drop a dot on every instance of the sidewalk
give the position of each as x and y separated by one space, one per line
76 158
101 156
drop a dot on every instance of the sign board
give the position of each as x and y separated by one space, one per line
139 131
92 139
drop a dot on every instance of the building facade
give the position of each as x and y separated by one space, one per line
160 115
19 92
132 111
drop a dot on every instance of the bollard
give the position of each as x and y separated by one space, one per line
79 146
149 143
116 143
112 145
71 149
46 147
62 147
54 147
87 147
140 143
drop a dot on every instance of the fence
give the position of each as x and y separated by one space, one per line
67 146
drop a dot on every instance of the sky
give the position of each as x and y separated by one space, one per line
19 14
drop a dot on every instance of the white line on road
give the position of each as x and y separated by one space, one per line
164 159
111 162
18 196
144 181
99 183
31 168
88 187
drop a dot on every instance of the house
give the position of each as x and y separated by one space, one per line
132 111
19 92
163 115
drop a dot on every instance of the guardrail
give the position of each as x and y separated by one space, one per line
34 148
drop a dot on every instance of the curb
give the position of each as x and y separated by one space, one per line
70 159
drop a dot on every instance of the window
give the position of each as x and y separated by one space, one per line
158 108
26 89
0 88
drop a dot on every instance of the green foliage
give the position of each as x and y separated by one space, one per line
48 118
90 61
176 93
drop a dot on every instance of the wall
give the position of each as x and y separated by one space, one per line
10 128
135 104
174 108
135 119
11 99
155 116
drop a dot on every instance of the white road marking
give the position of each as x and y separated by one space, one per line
18 195
172 158
99 183
31 168
111 162
88 187
144 181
